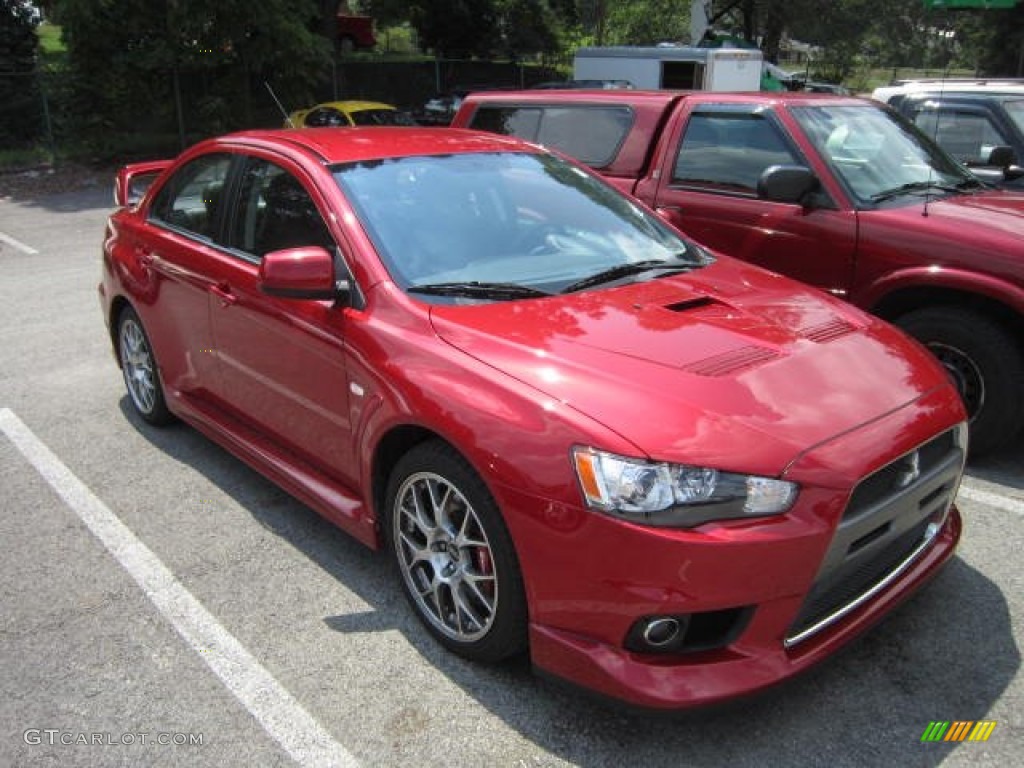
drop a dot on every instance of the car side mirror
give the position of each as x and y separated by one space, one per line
300 273
788 184
1001 157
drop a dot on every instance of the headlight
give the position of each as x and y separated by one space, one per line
675 495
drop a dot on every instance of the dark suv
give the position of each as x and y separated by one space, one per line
968 120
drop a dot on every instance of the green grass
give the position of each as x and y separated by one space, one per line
52 52
13 159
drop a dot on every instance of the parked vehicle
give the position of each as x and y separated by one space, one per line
838 192
672 66
980 123
335 114
560 85
354 31
672 476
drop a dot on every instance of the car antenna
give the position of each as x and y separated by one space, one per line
287 117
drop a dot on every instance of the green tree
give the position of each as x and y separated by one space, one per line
185 66
19 98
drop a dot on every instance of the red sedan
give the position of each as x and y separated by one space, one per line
670 476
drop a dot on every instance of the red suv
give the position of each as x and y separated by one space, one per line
673 477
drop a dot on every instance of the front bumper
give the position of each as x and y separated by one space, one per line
860 539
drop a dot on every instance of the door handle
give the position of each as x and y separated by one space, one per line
223 292
669 210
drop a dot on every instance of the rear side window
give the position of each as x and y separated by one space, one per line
591 134
192 200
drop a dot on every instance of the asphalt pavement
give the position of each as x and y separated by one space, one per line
162 604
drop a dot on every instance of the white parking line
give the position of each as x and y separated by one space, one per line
1005 503
17 244
280 714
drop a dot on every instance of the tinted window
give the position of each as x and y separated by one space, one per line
1015 111
591 134
730 151
968 136
274 212
191 200
325 117
381 117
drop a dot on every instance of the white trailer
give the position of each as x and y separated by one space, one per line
674 67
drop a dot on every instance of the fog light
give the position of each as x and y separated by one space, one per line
660 632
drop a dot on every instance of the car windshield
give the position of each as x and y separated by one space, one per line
1015 109
878 155
506 225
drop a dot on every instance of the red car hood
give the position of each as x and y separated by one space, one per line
989 223
731 366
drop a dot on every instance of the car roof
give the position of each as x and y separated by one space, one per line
654 98
951 88
341 145
353 105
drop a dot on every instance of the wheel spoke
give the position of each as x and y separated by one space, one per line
467 607
418 553
472 582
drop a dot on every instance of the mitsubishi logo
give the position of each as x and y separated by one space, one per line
910 469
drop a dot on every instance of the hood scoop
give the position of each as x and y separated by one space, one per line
690 304
729 362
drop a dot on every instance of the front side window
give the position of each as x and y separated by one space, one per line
191 201
274 212
1015 111
728 152
967 135
520 221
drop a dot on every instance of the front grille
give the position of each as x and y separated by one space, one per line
886 522
878 487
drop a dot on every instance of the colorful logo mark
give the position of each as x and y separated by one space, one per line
958 730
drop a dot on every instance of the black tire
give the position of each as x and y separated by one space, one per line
140 370
985 362
454 555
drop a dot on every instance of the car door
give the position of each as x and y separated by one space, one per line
282 360
709 189
178 252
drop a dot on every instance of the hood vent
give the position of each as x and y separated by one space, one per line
827 331
731 361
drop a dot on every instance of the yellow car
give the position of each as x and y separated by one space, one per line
347 113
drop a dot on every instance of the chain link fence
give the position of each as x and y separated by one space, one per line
179 107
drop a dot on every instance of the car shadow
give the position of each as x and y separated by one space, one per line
72 192
1003 467
949 654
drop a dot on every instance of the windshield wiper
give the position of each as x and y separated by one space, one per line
625 270
478 290
914 187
